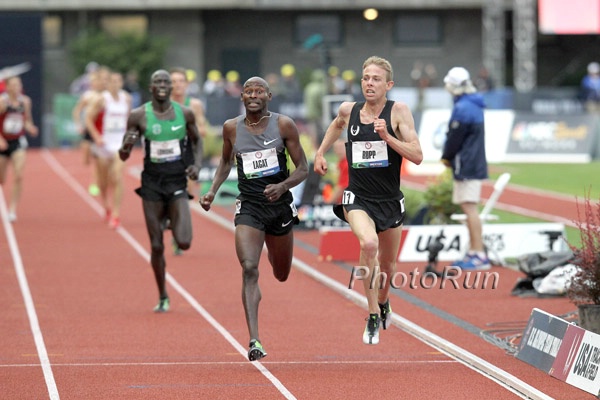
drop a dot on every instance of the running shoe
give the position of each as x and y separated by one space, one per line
94 190
162 306
371 333
176 250
256 351
12 216
114 223
386 314
107 215
473 262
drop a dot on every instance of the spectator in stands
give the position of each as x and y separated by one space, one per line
132 86
335 83
423 77
233 87
590 88
314 92
484 82
214 84
82 83
464 152
193 88
289 87
351 87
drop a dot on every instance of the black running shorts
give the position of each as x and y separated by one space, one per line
14 145
386 214
163 188
275 219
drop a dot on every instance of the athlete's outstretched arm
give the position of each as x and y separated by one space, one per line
334 131
224 168
132 134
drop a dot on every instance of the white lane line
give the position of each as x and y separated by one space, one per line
241 363
501 377
62 173
34 324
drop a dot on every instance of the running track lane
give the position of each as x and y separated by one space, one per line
93 292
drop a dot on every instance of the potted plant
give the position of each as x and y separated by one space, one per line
584 288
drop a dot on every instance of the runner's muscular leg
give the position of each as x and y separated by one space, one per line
248 246
154 212
363 228
181 222
280 254
18 165
116 184
389 243
4 160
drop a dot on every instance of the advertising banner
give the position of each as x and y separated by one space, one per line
519 136
542 339
434 126
551 138
502 241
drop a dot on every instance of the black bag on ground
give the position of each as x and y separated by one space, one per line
538 265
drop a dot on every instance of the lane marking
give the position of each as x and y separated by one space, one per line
240 363
477 364
501 377
71 182
34 324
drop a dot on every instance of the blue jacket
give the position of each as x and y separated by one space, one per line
465 140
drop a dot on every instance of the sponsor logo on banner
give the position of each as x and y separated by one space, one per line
314 216
551 138
584 372
501 240
542 339
567 353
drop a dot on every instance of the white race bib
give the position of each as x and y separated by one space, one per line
260 163
166 151
13 123
369 154
114 124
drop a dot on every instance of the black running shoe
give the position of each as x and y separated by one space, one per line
371 333
256 351
386 314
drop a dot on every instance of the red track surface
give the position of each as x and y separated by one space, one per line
92 294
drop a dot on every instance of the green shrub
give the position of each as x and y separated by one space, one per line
438 198
122 52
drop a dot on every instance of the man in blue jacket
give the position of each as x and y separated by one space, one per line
464 152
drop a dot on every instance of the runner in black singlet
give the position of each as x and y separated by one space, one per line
380 134
265 211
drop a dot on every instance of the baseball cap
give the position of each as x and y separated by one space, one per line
457 76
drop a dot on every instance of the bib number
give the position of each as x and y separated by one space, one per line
166 151
369 154
258 164
347 197
13 124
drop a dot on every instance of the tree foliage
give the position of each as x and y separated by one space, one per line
123 52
